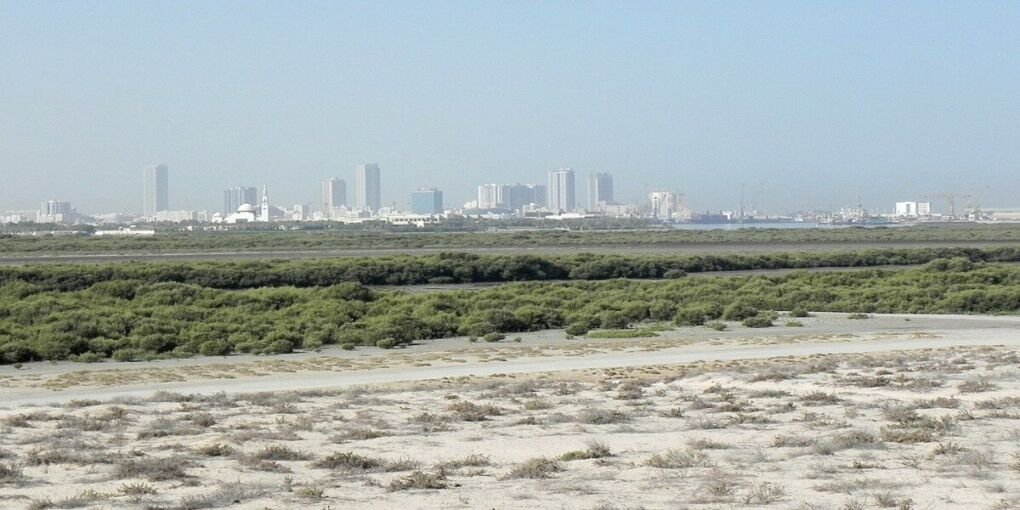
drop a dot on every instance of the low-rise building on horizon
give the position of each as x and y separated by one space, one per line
913 209
668 206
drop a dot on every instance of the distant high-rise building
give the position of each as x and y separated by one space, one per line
235 197
521 195
334 194
493 196
55 211
561 190
54 207
600 191
427 201
510 196
367 189
156 186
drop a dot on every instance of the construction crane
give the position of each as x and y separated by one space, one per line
950 199
974 211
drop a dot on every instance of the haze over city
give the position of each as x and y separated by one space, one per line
806 104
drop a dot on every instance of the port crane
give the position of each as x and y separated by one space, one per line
950 199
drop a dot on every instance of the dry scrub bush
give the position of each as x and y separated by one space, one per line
593 416
707 444
534 469
594 450
718 486
308 492
820 398
226 495
358 434
790 441
76 453
164 427
204 420
136 490
280 453
537 405
474 460
673 412
418 480
764 493
978 385
936 403
469 411
677 459
9 474
215 450
349 461
155 469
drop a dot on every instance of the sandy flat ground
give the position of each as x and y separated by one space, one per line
843 414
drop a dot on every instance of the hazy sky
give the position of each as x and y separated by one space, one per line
807 103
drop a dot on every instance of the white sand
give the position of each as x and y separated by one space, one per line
721 407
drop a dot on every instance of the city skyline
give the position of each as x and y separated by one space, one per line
501 196
493 200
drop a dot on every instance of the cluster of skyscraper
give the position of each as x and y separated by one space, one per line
367 192
559 196
242 203
510 196
234 198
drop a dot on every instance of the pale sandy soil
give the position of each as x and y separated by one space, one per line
875 417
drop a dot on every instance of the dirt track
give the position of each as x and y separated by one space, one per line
830 333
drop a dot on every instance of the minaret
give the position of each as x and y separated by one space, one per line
264 210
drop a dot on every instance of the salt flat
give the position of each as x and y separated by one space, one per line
883 412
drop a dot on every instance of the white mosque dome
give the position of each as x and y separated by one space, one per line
246 208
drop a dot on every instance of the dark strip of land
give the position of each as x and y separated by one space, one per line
238 245
313 254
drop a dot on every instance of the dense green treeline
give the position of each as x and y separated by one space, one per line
129 319
350 240
464 268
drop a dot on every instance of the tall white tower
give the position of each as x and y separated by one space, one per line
561 190
156 184
264 209
367 188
